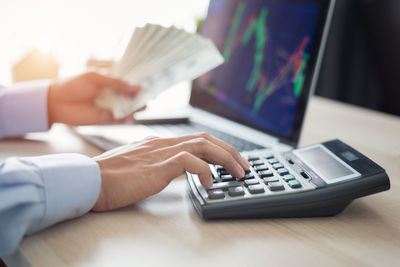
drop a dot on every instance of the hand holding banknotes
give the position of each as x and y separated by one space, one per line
72 101
158 58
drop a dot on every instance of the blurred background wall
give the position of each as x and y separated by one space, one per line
76 30
362 59
361 64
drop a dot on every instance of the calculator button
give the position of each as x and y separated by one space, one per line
304 175
236 191
273 161
252 158
288 177
271 180
290 160
223 172
276 186
261 168
256 189
216 194
227 178
294 184
265 173
268 156
248 176
277 166
257 163
283 171
214 178
219 168
251 182
224 185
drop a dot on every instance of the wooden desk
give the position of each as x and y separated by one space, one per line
164 230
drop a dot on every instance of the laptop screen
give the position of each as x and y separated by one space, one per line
270 50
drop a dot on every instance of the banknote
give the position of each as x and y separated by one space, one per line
157 58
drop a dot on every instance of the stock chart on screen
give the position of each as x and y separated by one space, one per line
266 46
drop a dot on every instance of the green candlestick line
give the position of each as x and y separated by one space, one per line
257 27
299 77
233 31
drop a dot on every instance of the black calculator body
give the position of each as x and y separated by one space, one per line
318 180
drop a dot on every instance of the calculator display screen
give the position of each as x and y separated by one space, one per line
326 164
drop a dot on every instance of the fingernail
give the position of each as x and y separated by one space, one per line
209 183
240 170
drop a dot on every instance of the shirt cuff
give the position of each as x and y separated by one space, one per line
71 183
23 108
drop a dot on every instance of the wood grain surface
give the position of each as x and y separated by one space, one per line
164 230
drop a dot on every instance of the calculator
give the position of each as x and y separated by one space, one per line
318 180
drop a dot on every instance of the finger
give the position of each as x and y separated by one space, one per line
84 115
127 119
130 118
103 116
103 81
236 155
242 161
185 161
176 140
144 140
204 149
142 108
128 147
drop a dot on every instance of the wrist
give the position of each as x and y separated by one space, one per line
101 202
50 105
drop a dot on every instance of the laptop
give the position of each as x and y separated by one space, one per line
257 99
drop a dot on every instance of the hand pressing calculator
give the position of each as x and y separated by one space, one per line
319 180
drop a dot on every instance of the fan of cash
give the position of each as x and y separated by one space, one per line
158 58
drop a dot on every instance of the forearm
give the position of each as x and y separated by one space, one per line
37 192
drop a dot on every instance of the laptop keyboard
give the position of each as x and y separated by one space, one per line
192 127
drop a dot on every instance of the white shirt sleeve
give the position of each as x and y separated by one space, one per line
23 108
36 192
